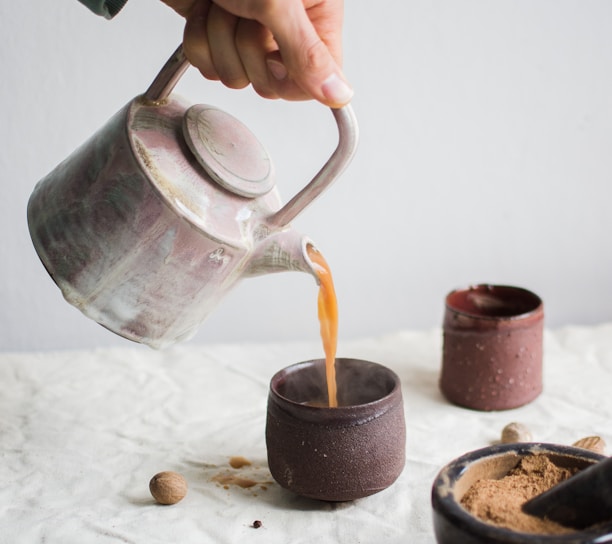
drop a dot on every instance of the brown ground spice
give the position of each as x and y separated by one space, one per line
499 501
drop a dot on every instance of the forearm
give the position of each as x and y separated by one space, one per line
106 8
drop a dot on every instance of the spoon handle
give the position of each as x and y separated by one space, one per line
580 501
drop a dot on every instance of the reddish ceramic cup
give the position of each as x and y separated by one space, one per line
492 348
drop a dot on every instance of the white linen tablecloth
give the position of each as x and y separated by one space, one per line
82 433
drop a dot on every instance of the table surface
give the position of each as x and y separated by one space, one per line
82 433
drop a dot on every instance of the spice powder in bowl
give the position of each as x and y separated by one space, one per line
499 501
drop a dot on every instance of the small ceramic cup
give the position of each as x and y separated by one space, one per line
492 348
336 454
454 524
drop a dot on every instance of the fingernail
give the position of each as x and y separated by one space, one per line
336 90
277 69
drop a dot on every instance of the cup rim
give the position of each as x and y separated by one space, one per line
445 504
537 302
371 409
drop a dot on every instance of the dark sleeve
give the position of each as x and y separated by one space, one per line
106 8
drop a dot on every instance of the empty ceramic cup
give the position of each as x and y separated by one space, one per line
453 523
492 348
335 454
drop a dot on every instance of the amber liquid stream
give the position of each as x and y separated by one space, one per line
328 319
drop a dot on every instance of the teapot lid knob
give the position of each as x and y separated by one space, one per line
228 151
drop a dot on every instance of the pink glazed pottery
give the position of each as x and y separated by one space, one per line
148 224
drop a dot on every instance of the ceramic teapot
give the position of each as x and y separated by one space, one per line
153 219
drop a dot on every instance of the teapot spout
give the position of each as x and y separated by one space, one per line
281 251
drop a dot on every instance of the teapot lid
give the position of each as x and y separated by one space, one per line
228 151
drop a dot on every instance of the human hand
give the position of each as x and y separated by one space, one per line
289 49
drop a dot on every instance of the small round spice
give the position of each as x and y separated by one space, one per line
515 432
594 443
257 524
168 487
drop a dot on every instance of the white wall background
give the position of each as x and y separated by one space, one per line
485 155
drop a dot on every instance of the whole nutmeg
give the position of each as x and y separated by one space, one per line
168 487
515 432
593 443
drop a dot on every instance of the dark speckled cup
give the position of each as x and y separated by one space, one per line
492 353
336 454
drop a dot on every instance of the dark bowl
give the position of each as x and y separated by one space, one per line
453 524
336 454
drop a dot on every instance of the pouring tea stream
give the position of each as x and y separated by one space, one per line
160 213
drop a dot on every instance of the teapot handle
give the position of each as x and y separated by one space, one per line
168 77
348 135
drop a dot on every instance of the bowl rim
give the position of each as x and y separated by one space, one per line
444 503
